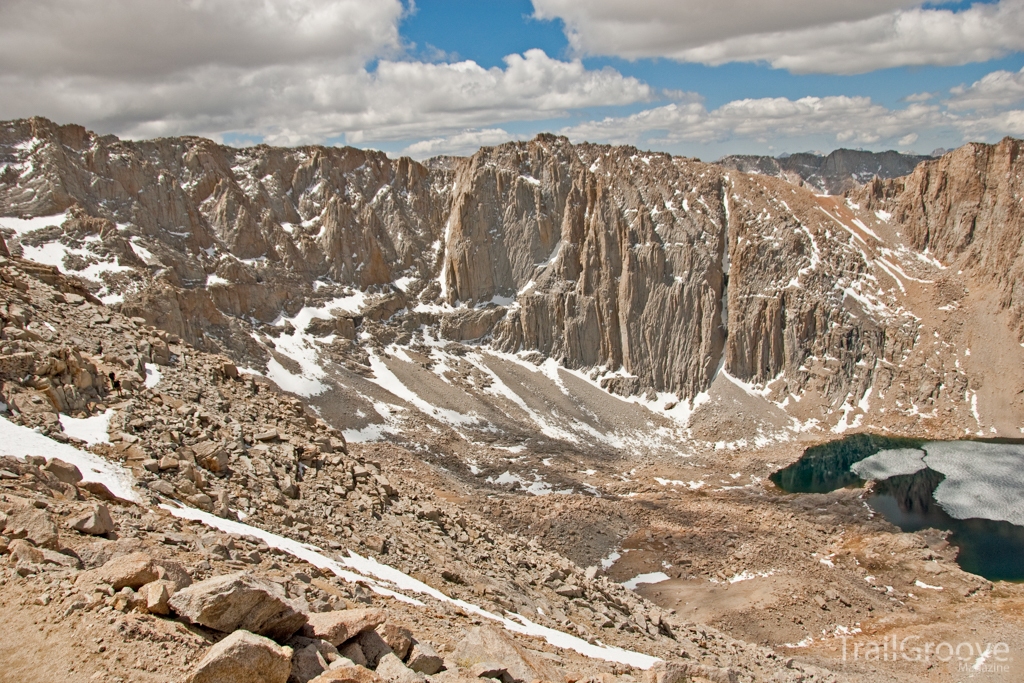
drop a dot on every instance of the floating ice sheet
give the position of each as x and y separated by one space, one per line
983 480
890 463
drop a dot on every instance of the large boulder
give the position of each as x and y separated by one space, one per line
397 638
312 659
352 652
424 659
132 571
240 601
668 672
173 572
681 672
32 524
156 595
244 657
211 455
64 471
307 664
342 625
392 670
373 646
96 521
23 552
488 644
348 674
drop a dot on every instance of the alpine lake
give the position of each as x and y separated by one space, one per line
972 489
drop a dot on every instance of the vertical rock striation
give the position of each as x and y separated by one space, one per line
650 273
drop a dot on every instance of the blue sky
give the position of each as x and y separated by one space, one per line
488 30
446 76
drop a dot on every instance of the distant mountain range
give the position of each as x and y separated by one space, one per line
836 173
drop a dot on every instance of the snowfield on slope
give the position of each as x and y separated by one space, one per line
21 441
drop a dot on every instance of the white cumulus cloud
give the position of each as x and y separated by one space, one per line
803 36
460 144
152 38
286 71
994 90
845 120
986 110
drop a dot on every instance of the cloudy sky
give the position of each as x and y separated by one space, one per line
446 76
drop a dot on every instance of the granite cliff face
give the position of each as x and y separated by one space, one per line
650 275
965 209
268 221
662 269
598 258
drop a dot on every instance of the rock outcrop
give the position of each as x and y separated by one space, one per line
666 268
336 627
244 657
198 210
965 210
490 645
237 601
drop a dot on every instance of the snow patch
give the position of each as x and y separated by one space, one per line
403 283
302 347
652 577
145 254
607 562
538 487
386 379
20 442
89 429
368 434
747 576
23 226
301 385
692 485
153 375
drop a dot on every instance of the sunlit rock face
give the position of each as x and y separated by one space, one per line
653 275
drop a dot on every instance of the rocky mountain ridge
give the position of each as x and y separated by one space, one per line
653 276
